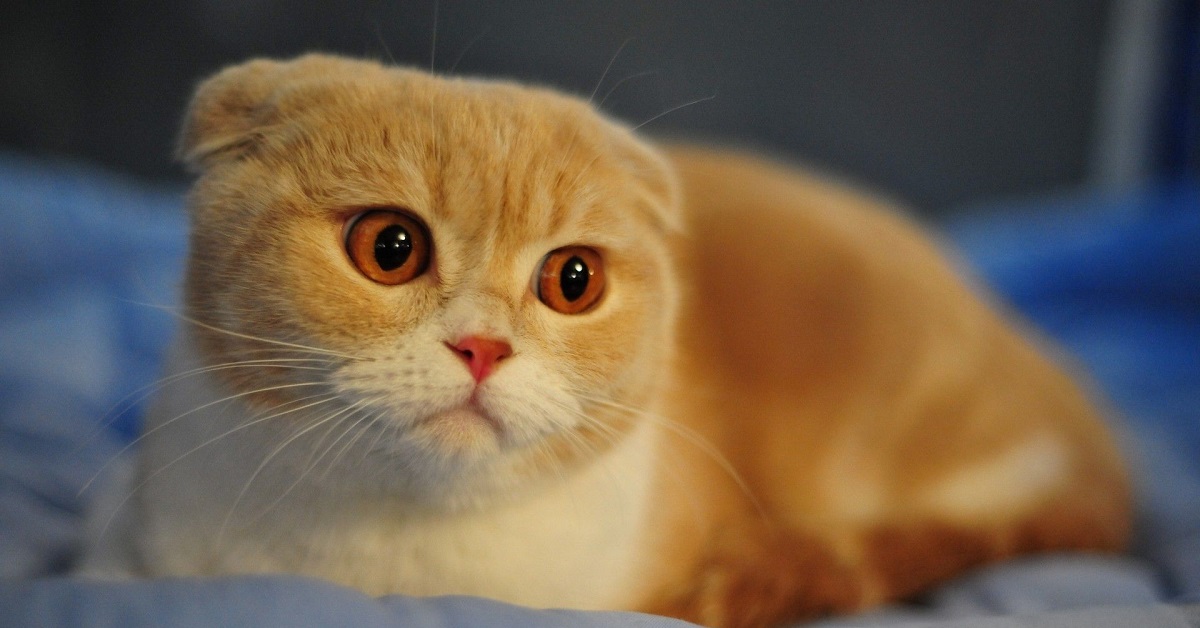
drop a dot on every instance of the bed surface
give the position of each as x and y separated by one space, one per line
88 261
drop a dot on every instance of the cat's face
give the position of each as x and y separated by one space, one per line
402 227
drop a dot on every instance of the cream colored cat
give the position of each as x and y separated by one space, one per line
464 336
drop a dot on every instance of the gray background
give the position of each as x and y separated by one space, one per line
939 103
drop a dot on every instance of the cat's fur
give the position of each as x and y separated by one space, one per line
786 403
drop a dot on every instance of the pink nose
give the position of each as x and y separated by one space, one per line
481 354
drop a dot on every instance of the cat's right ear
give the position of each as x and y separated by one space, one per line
225 112
231 108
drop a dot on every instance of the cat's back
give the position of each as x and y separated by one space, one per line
792 278
826 336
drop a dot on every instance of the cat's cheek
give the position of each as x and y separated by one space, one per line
347 312
606 354
602 346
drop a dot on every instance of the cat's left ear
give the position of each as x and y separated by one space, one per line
660 189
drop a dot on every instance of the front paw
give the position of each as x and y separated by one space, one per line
768 586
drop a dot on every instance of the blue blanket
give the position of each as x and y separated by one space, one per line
87 258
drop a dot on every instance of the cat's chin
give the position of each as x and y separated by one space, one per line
467 433
457 459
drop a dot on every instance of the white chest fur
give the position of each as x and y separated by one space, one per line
573 545
573 542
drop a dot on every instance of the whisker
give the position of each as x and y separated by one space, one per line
383 44
349 411
174 312
320 443
370 419
356 409
467 49
566 154
289 351
694 438
378 437
621 82
688 489
607 68
164 424
611 438
193 450
263 465
674 109
562 477
433 45
327 397
581 172
544 450
135 397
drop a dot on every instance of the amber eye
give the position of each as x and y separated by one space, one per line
571 279
389 247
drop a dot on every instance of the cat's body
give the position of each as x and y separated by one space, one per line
782 403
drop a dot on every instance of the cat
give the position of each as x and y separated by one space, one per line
463 336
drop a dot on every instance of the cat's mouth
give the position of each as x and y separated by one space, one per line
469 414
469 427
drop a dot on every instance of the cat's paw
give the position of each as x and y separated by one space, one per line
793 580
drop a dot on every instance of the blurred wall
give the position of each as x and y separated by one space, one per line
938 102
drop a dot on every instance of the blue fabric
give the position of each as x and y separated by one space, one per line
262 602
80 253
88 260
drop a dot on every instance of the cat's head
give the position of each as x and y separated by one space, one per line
475 275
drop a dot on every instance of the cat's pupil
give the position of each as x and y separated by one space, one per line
393 245
574 278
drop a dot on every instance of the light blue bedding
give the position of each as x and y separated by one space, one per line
87 258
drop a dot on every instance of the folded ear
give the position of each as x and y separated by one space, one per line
230 107
659 183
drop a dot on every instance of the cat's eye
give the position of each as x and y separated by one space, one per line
571 279
388 247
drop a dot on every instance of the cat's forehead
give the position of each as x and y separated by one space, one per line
488 159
